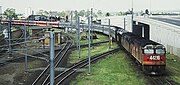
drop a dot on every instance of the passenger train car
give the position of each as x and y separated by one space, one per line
39 20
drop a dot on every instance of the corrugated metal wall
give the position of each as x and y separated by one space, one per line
166 34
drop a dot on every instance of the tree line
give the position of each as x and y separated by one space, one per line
11 13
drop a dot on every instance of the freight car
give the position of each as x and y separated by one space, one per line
149 54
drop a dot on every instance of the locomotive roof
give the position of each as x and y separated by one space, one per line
132 38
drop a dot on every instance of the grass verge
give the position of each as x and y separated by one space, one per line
100 38
114 70
173 64
74 57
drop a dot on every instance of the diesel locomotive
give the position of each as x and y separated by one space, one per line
149 54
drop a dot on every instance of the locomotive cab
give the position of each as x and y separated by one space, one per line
154 60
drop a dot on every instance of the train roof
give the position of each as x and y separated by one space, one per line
132 38
121 31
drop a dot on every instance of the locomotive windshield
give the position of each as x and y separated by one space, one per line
154 49
148 49
160 49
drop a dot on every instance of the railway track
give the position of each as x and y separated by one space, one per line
4 62
160 80
92 44
44 76
59 79
17 37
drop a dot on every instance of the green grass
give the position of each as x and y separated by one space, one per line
57 30
173 66
100 38
35 64
114 70
74 57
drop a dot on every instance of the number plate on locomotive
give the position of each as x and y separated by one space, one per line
154 57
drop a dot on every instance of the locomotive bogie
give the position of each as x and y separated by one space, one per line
154 69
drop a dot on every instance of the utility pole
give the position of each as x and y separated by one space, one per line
150 11
25 48
124 23
89 45
109 33
78 35
132 15
0 14
32 12
92 25
10 25
51 58
71 20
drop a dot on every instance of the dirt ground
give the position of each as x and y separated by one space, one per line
15 74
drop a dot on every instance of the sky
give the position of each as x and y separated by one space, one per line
104 5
